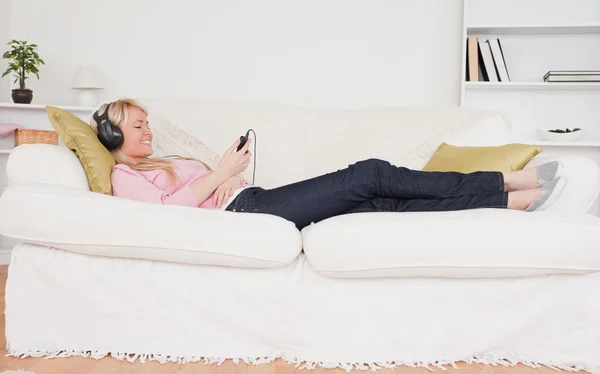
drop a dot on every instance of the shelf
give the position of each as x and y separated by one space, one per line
534 85
534 29
575 143
5 151
533 139
40 106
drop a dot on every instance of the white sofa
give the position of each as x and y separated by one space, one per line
100 275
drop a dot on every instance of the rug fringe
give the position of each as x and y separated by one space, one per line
494 359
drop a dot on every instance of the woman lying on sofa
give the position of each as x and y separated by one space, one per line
366 186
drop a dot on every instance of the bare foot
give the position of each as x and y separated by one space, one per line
525 179
520 200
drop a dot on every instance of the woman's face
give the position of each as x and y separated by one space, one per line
137 142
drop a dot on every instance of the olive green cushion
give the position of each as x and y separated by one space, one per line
78 136
504 158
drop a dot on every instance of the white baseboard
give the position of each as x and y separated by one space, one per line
5 256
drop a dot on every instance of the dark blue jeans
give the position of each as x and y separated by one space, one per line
374 186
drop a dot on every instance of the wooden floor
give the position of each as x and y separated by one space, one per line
107 365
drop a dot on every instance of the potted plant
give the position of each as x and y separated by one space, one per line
23 60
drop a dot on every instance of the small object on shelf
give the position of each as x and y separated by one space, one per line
572 76
23 59
88 80
28 136
560 135
485 61
8 128
22 96
565 131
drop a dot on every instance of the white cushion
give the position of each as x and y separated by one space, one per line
487 131
45 164
583 186
463 244
98 224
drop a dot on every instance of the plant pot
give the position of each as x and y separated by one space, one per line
20 96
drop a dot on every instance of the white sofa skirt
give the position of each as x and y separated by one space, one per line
60 303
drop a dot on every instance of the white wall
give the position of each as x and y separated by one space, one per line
5 11
333 53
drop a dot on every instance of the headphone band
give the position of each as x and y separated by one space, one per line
103 117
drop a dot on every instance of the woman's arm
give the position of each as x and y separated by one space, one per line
227 189
128 184
235 163
230 166
203 188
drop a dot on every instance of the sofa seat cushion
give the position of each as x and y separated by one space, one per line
97 224
462 244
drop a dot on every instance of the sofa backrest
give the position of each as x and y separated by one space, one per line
295 143
292 143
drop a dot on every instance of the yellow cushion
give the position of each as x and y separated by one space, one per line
505 158
78 136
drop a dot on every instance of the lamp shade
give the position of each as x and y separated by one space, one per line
87 77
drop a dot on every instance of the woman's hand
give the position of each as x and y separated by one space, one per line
233 163
225 190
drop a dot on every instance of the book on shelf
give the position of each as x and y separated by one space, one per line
485 61
572 76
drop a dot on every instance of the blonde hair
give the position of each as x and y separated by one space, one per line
118 114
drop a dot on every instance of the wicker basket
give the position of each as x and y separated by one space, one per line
24 136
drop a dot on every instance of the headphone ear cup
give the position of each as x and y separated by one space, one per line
110 136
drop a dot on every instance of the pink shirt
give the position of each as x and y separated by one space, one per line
155 187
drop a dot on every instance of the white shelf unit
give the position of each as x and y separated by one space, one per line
32 116
537 36
43 106
534 29
533 85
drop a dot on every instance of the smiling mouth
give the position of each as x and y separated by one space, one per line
146 142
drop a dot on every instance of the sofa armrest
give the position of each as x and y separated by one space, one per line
97 224
47 164
583 185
